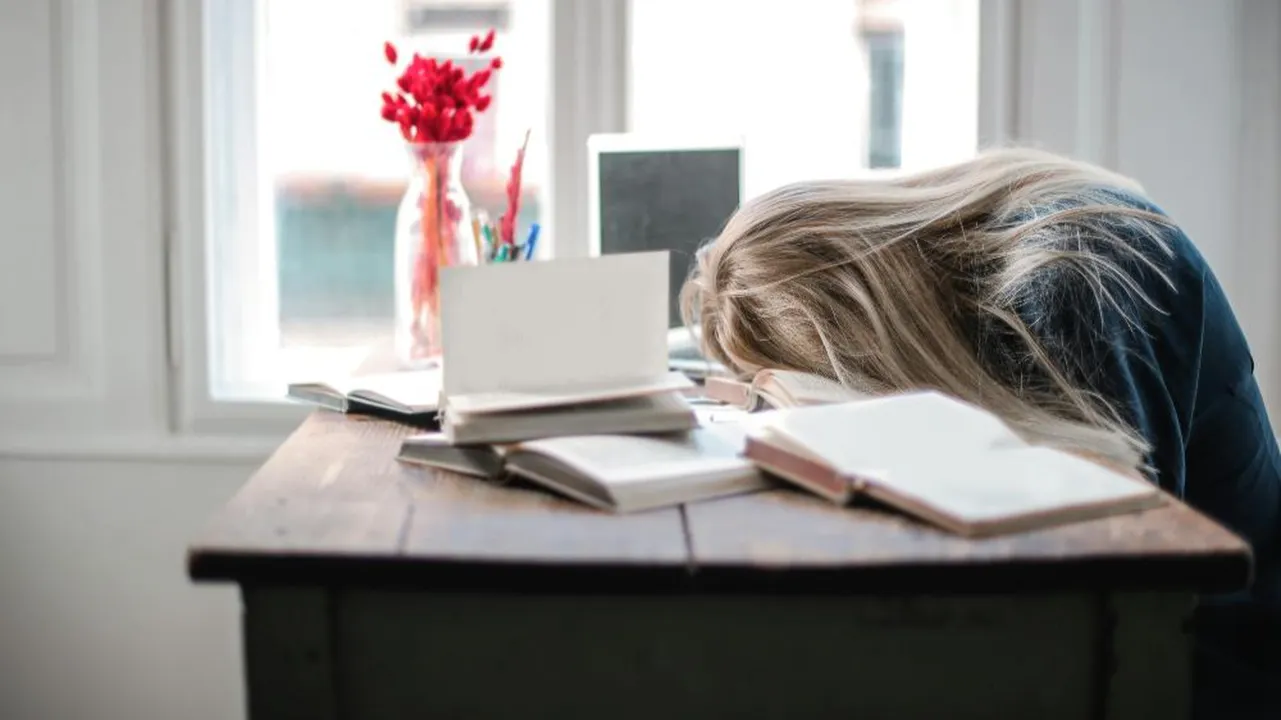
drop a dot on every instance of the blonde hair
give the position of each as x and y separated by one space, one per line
927 281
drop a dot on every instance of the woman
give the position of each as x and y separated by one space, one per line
1053 294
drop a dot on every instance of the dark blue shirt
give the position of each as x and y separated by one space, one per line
1183 376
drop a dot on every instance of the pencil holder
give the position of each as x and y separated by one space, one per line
433 230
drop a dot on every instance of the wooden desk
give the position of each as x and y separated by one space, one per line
378 590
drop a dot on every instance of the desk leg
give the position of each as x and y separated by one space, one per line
371 655
1151 661
289 668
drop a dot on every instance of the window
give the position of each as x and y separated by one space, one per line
885 98
305 178
301 178
816 88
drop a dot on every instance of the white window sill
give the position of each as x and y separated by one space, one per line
249 451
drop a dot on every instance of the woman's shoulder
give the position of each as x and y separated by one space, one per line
1130 233
1114 279
1156 291
1154 230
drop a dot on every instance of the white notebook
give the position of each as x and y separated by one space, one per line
655 413
557 348
942 460
560 324
531 398
619 473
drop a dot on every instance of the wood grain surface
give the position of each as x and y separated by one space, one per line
332 505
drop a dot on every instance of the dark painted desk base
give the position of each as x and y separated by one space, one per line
353 653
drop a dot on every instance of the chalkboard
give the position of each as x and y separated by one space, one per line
672 200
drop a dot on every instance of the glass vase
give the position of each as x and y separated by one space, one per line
433 231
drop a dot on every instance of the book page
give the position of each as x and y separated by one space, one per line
727 390
554 324
621 459
417 390
867 438
801 389
433 450
709 415
772 437
1003 485
533 398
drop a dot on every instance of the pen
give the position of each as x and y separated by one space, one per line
489 243
532 241
476 238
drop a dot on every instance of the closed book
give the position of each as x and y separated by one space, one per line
651 405
639 415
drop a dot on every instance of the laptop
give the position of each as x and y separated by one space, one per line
648 193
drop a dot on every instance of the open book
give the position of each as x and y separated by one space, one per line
619 473
778 389
408 396
944 461
583 350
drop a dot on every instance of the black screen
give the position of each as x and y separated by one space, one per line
672 200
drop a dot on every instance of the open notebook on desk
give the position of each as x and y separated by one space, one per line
410 396
941 460
583 349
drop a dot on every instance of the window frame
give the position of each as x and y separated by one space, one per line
588 66
876 42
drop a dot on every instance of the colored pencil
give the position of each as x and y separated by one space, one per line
532 242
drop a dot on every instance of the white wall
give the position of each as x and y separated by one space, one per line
97 619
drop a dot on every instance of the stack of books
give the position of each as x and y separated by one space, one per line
927 455
557 372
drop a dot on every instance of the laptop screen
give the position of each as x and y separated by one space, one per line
672 200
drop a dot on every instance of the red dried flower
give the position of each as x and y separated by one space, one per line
438 101
507 223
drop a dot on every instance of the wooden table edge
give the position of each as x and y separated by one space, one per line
1206 573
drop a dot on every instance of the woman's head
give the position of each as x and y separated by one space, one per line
886 285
